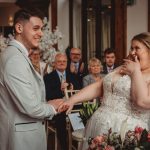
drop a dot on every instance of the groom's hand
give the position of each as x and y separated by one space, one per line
55 103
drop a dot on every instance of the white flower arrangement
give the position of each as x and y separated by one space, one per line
48 40
46 45
3 42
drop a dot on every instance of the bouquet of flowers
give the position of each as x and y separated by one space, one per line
139 139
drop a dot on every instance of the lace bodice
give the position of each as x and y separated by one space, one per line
117 97
117 109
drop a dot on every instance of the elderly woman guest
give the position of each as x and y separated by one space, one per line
40 66
95 68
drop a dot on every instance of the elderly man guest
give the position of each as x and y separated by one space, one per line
55 83
22 97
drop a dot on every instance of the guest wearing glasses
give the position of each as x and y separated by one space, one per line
76 65
40 66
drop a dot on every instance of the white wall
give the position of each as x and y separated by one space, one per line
137 19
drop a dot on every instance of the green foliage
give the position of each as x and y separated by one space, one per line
87 110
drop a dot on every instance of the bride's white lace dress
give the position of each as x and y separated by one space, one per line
116 109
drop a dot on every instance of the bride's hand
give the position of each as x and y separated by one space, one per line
67 105
129 66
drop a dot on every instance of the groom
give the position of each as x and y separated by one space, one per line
22 93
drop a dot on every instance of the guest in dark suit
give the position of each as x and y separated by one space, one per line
109 58
76 65
55 83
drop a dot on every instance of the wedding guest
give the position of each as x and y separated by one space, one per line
55 84
109 58
95 68
76 65
118 90
22 98
40 66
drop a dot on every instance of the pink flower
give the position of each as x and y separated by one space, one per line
138 130
99 139
148 136
109 148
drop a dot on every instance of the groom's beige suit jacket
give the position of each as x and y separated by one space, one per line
22 102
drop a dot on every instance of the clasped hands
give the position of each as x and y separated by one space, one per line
60 105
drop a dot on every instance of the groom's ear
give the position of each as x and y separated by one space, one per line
19 28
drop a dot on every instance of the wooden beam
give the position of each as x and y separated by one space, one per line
84 30
148 16
98 29
54 13
120 28
71 23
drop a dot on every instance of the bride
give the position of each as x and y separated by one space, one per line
117 108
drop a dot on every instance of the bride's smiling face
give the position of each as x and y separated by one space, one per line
140 50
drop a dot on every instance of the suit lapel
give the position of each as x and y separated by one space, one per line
57 77
13 43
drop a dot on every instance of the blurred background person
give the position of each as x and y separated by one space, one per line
95 68
40 66
109 60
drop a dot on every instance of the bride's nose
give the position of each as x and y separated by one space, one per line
132 52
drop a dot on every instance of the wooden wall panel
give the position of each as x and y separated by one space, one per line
120 28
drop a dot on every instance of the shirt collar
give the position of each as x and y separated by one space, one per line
61 73
112 67
22 46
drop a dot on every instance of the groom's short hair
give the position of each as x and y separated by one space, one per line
26 14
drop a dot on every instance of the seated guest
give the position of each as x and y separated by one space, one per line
55 84
109 58
95 68
76 65
41 67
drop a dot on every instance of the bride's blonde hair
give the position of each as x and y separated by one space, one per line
143 38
